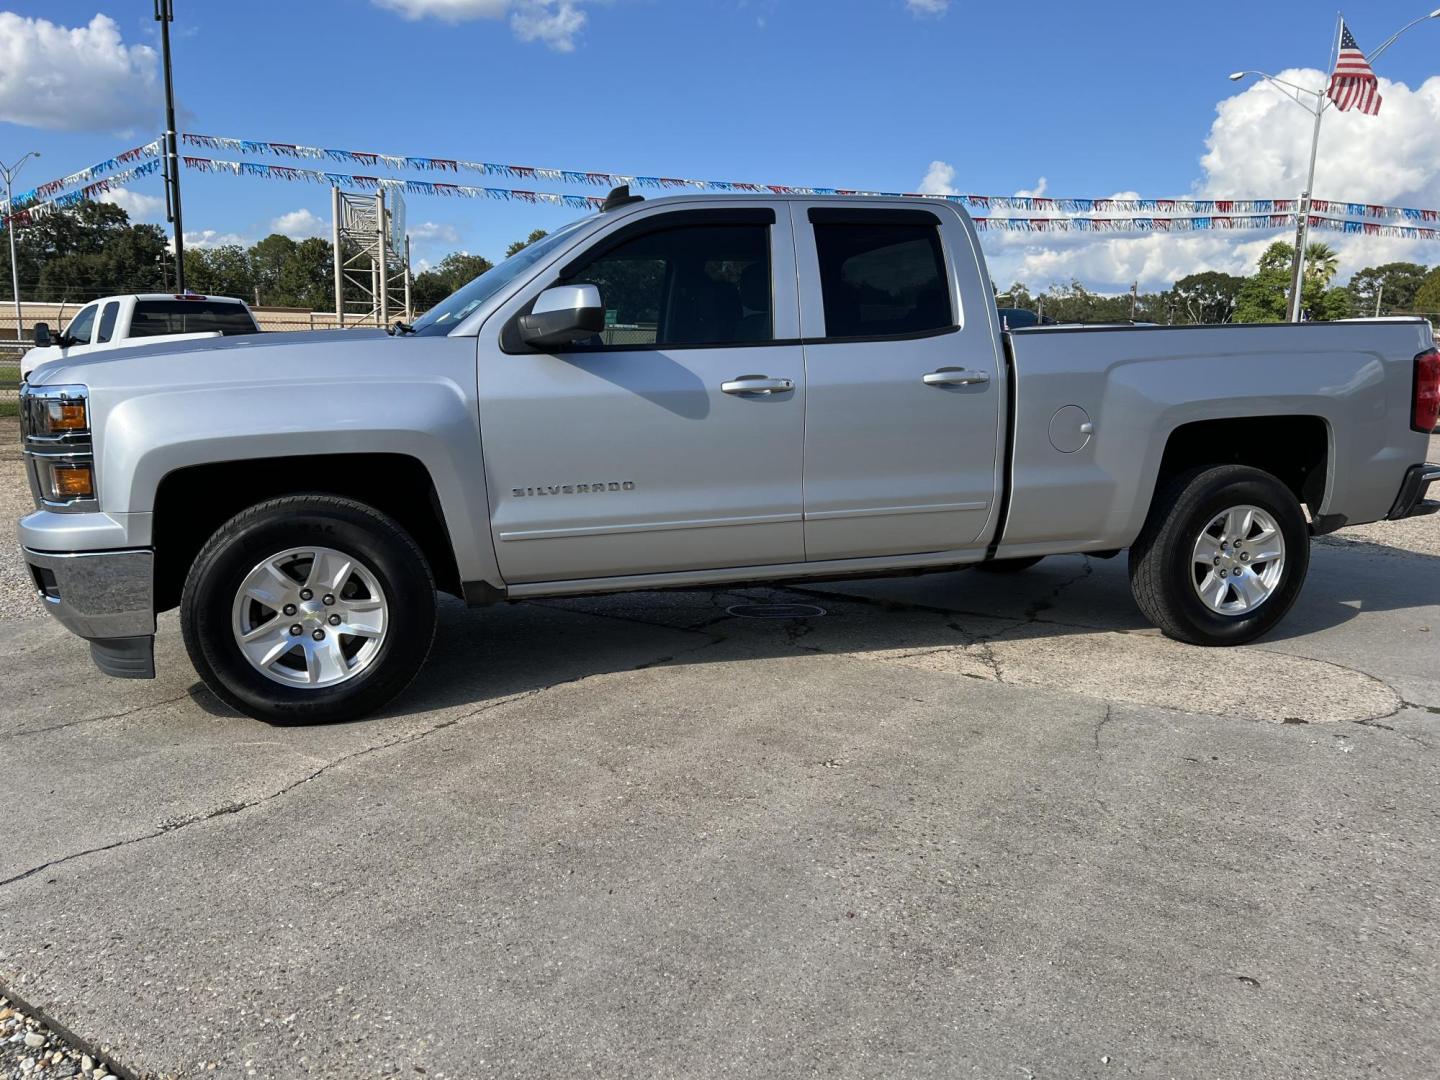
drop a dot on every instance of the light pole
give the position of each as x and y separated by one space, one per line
165 15
10 172
1315 102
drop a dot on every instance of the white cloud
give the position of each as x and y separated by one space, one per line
82 78
1258 147
300 225
556 23
939 179
429 231
139 206
928 7
1036 191
209 238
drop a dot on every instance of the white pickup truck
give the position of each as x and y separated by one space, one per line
117 322
684 393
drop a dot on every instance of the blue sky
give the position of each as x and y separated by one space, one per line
1096 99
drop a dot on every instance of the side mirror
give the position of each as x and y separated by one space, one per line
42 335
562 315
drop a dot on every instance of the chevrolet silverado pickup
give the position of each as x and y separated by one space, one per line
686 392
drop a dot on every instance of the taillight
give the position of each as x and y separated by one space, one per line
1425 399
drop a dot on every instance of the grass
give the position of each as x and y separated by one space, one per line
9 388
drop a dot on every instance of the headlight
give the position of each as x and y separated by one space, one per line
55 426
56 412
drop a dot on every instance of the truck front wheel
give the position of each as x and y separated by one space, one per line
308 609
1222 556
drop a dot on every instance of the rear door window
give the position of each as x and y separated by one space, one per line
882 278
156 317
107 321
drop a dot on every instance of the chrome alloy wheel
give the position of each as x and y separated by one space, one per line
310 617
1238 561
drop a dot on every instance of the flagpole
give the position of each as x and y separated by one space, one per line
1302 231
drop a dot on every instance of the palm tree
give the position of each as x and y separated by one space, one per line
1321 263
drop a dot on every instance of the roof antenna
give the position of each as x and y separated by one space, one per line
618 197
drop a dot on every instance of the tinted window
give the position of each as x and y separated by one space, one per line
689 285
107 320
155 317
82 325
882 280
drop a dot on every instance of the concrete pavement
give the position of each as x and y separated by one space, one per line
959 825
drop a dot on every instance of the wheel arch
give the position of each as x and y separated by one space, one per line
1295 449
193 501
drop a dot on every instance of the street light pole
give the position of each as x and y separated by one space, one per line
165 15
1321 102
1302 233
10 172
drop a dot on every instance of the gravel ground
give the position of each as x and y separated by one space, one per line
30 1051
17 595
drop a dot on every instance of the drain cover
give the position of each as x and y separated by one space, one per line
775 611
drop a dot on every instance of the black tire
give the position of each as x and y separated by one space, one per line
349 527
1162 567
1008 566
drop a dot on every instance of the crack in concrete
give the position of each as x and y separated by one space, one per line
1109 713
1374 722
97 719
174 826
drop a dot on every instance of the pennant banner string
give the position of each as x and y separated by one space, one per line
594 178
372 183
53 187
89 191
1199 223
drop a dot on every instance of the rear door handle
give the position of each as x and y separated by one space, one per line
745 385
956 376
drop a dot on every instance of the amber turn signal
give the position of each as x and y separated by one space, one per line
72 482
67 416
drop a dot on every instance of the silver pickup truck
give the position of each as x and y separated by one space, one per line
685 392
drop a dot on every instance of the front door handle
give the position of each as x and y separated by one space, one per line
757 384
956 376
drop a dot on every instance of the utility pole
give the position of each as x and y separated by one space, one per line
1134 299
1379 293
165 15
10 222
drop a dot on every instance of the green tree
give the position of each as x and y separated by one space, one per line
1208 297
1262 298
307 277
1427 296
84 251
1394 285
521 245
1321 262
221 271
453 272
267 259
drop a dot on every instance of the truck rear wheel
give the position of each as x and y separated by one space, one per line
308 609
1222 556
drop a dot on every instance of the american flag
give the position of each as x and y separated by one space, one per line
1353 84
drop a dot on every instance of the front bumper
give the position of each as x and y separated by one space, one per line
106 597
1411 502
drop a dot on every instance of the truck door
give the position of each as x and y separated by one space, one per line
903 383
672 441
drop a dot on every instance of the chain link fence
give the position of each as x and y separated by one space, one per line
10 354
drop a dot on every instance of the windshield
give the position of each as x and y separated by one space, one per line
447 314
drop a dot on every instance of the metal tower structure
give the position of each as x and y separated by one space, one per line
372 259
